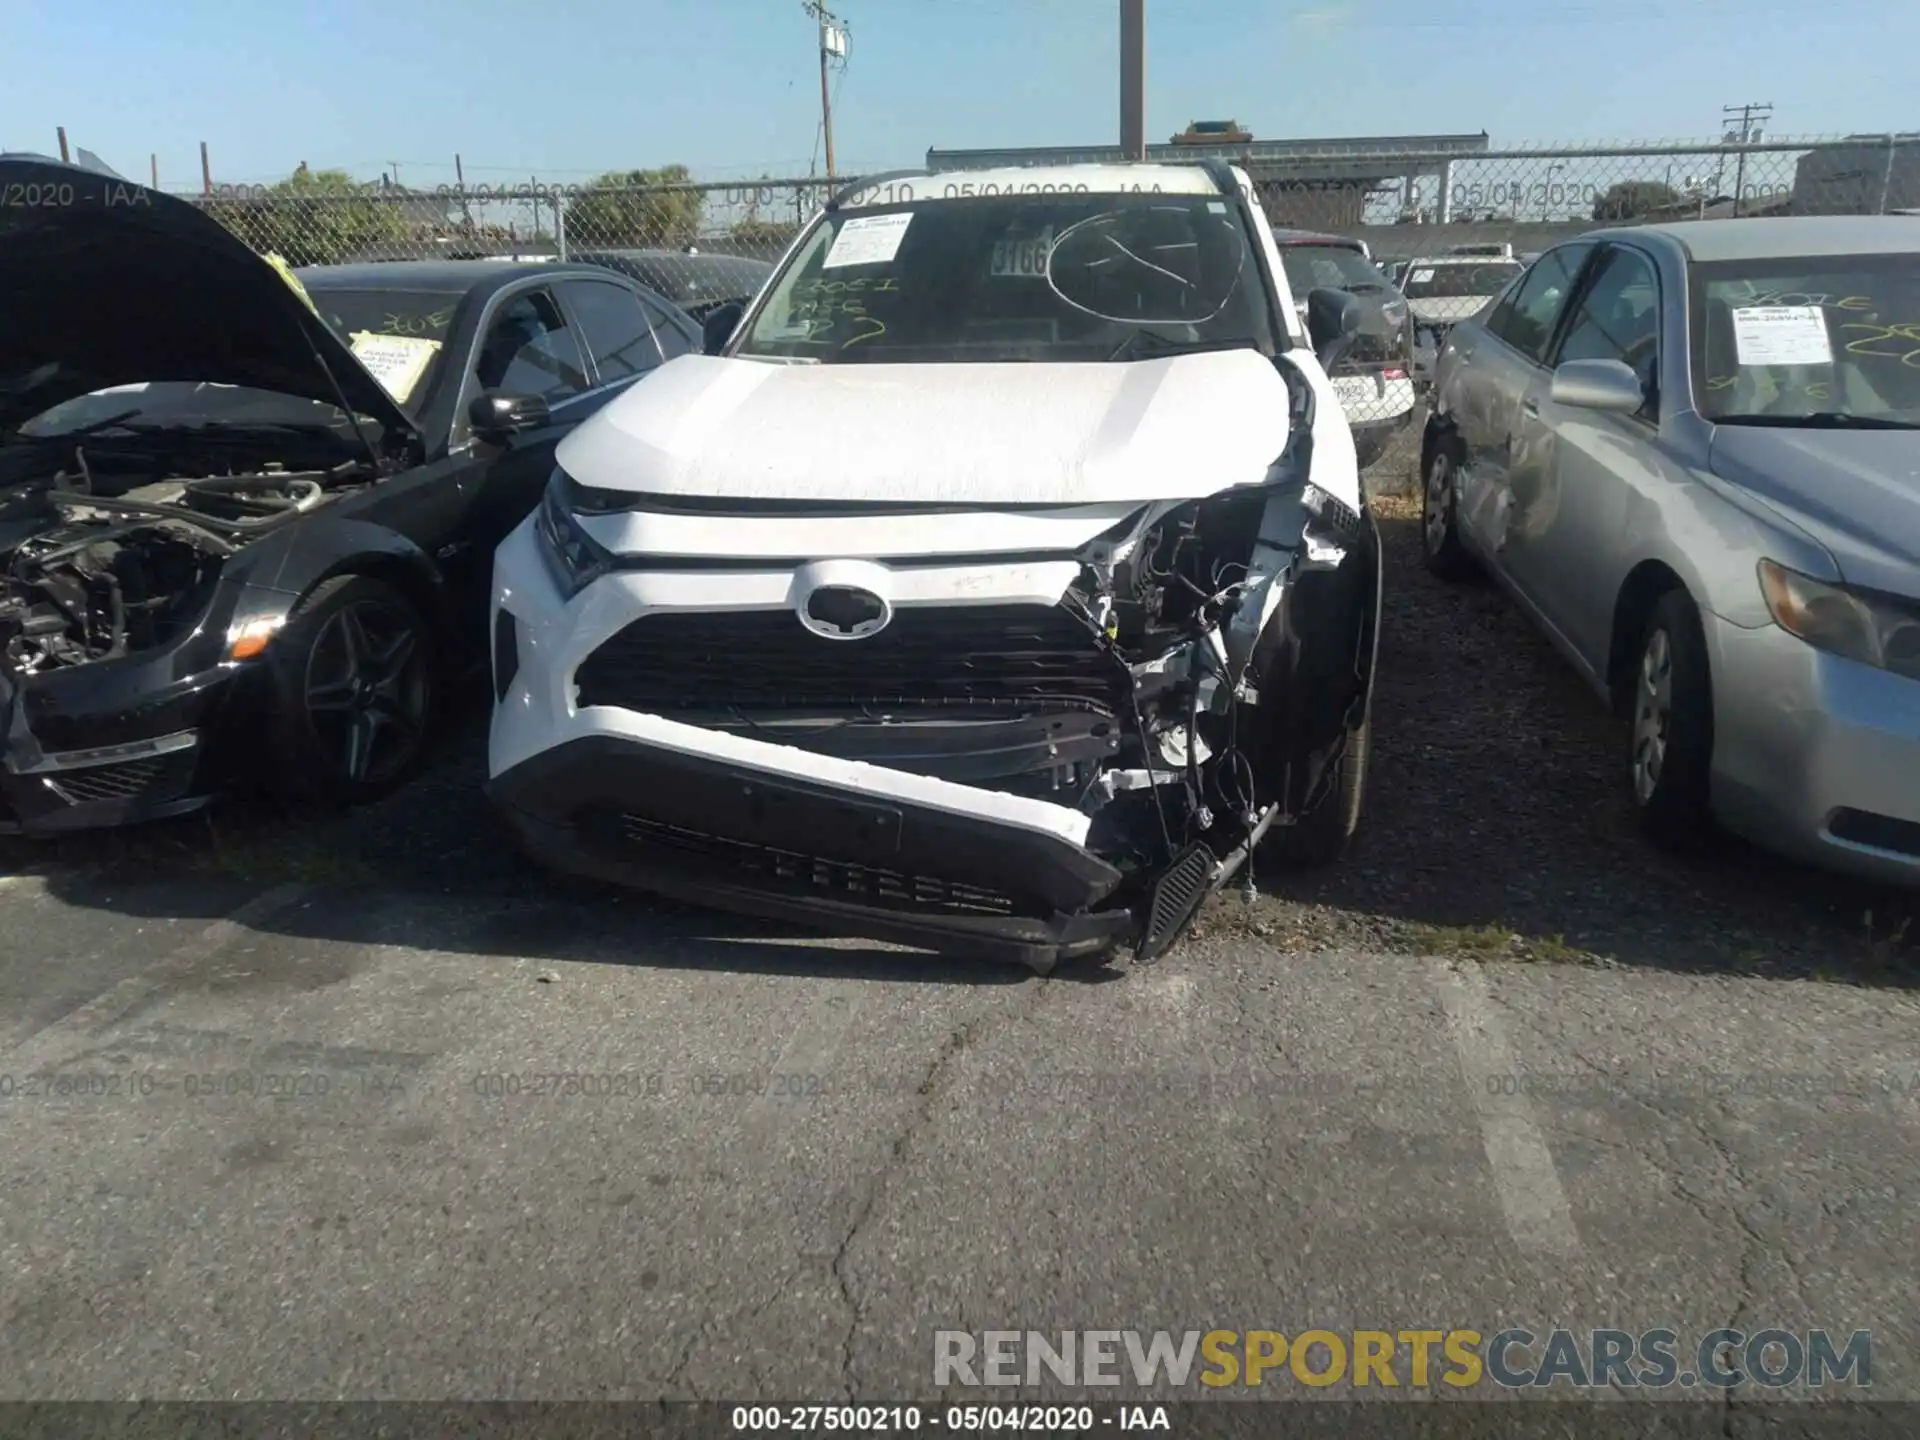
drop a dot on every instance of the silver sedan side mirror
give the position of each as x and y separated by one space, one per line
1598 385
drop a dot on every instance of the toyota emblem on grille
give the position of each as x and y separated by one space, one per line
844 612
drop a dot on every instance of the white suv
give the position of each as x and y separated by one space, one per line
995 583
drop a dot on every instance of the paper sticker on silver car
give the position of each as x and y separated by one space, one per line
1781 335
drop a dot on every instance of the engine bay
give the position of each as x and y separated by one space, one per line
114 551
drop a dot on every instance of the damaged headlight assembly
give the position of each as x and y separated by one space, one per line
1183 597
1196 600
574 557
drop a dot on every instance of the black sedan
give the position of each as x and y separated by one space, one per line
247 524
699 284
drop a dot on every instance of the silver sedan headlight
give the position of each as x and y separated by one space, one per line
1875 630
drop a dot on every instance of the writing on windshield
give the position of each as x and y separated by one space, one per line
1834 334
1017 276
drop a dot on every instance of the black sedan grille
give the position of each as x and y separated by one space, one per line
766 660
787 871
126 781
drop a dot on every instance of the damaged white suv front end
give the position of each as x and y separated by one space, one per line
1000 584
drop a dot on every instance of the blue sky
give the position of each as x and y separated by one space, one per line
731 87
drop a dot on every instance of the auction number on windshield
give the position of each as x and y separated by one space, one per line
1026 258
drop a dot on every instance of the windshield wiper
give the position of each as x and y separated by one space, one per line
1820 420
1161 345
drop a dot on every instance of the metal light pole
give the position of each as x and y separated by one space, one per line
1133 79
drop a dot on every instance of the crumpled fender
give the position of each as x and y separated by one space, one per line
1312 670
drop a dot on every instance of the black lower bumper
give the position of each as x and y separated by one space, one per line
786 848
83 766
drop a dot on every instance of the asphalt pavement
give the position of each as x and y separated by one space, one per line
369 1109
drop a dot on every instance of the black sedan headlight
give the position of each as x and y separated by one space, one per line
574 557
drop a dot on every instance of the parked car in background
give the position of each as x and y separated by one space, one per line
1374 380
1443 290
446 249
999 581
247 528
1689 452
698 284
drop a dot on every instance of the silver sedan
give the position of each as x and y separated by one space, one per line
1691 453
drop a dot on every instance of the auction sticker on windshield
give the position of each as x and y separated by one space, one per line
1420 277
1781 335
396 361
867 240
1026 258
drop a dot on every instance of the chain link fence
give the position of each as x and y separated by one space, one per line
1447 227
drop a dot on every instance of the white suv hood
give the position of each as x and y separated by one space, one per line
961 435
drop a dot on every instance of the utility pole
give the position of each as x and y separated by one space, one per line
833 46
460 184
1133 79
1748 133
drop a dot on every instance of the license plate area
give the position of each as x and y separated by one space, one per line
804 820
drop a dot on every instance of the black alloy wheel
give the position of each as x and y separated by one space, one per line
357 693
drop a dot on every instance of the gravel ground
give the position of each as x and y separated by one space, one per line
1498 822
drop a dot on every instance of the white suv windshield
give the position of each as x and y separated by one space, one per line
1457 279
1060 276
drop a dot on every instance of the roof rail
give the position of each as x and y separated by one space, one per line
867 182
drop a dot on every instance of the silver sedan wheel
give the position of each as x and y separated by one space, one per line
1439 501
1652 715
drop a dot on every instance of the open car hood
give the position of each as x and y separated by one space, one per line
958 435
104 282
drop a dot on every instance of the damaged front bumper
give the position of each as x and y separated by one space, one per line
991 774
737 831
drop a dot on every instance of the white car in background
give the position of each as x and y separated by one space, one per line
1374 379
997 582
1443 290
